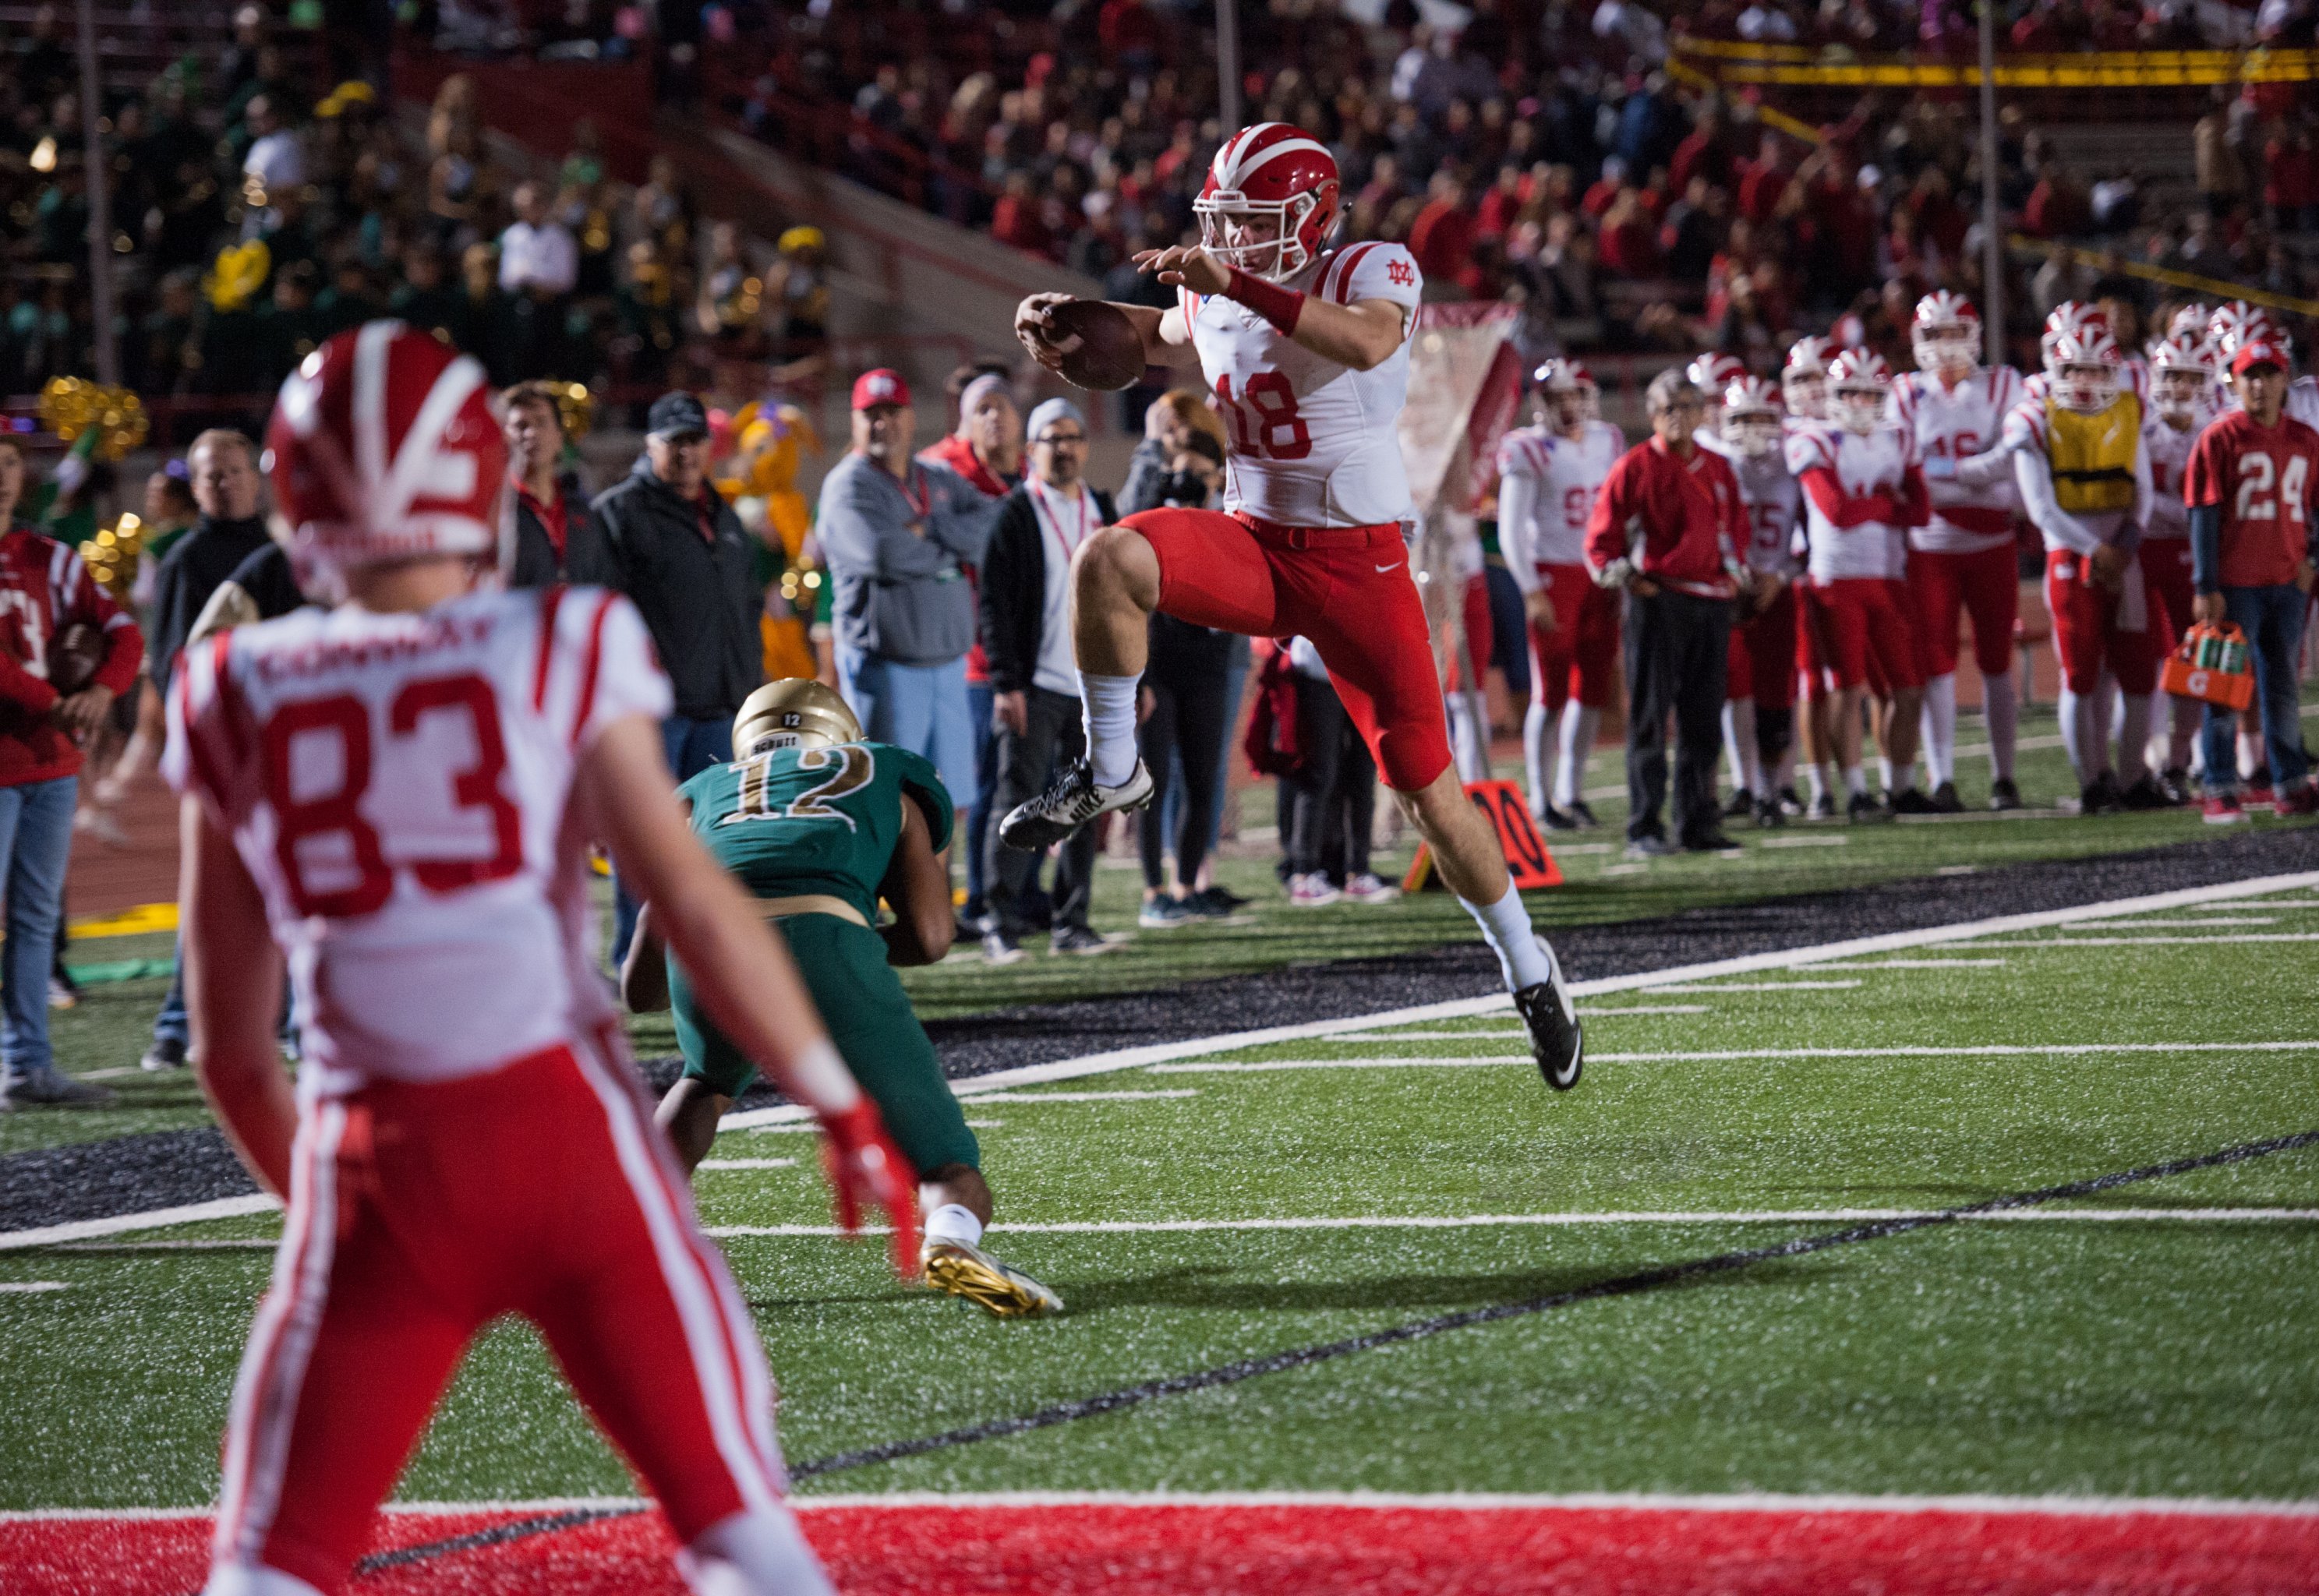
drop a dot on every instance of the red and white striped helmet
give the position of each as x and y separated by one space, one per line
2068 317
2237 322
1711 373
2183 369
1859 385
1752 416
1273 170
1563 376
1808 357
382 447
2184 351
1945 332
2085 365
2192 319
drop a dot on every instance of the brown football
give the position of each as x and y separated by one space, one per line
74 657
1109 353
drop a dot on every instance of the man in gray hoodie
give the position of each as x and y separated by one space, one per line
896 533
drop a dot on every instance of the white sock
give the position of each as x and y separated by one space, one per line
2250 755
1469 736
753 1554
1110 719
1739 741
953 1221
1522 957
1539 752
2134 739
1884 771
1816 778
1939 719
1855 780
2080 733
2002 708
1579 725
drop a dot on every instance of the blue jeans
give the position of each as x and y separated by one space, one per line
691 747
978 697
35 845
2272 619
922 708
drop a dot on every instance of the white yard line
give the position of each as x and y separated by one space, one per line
1995 1050
1915 964
1762 987
1646 1008
965 1095
746 1163
152 1219
2183 920
33 1286
1808 839
2129 942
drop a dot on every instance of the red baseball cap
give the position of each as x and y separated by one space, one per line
2257 352
881 386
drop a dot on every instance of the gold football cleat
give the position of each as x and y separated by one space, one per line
997 1288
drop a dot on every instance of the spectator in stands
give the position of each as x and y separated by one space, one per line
1328 803
1035 679
552 517
670 542
898 536
274 162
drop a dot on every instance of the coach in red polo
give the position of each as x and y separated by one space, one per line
1667 527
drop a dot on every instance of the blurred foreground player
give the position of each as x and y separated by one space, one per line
818 822
1307 351
402 789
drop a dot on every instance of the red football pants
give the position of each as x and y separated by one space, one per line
1986 586
1346 588
2166 567
1760 664
420 1213
1865 634
2086 633
1580 657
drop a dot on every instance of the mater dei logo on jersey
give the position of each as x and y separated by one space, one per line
1401 272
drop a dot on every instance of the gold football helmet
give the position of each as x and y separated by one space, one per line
795 712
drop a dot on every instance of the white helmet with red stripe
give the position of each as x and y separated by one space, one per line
1273 173
1859 384
2085 365
1752 416
382 447
2236 323
2067 317
1712 373
1945 334
2184 368
1803 383
2192 319
1569 391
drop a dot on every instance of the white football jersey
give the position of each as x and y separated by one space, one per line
1865 464
1956 424
1773 500
2303 401
1313 443
1566 476
398 787
2168 454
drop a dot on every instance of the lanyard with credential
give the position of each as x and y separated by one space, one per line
1082 513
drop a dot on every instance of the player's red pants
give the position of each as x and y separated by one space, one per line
2086 632
1986 586
2166 567
418 1215
1865 634
1760 664
1346 588
1580 657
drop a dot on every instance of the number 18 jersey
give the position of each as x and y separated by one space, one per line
399 787
1313 443
792 821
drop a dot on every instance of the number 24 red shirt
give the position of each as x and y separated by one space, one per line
2266 479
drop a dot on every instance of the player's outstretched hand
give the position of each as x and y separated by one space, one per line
1030 328
864 1165
1187 265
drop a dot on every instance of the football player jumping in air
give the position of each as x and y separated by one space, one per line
1306 349
2085 481
1547 476
1760 674
1962 562
818 822
403 790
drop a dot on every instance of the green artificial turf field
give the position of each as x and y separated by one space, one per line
2154 1340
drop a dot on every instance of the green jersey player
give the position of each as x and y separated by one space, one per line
819 824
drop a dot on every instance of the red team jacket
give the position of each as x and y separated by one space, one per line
1679 521
43 588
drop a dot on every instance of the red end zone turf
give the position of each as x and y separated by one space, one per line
1287 1549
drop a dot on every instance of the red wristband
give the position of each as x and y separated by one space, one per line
1278 305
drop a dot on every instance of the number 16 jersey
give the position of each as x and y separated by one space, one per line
399 789
1314 443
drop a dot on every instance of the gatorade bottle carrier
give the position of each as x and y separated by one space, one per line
2213 666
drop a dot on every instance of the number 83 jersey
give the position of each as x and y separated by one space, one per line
793 821
399 789
1314 443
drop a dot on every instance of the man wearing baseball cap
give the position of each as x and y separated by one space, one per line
2252 486
896 533
670 542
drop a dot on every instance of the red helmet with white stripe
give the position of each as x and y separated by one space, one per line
2086 365
1859 384
1752 416
382 447
1272 172
1945 333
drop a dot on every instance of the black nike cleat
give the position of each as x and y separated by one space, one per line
2004 795
1555 1039
1071 799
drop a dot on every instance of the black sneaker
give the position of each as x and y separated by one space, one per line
2145 796
1555 1038
50 1090
998 948
1713 842
1945 800
2101 796
1863 807
2175 781
1584 816
1651 847
1823 807
1082 940
1790 805
2004 794
1071 799
166 1052
1556 819
1908 800
1221 900
1770 816
1740 805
